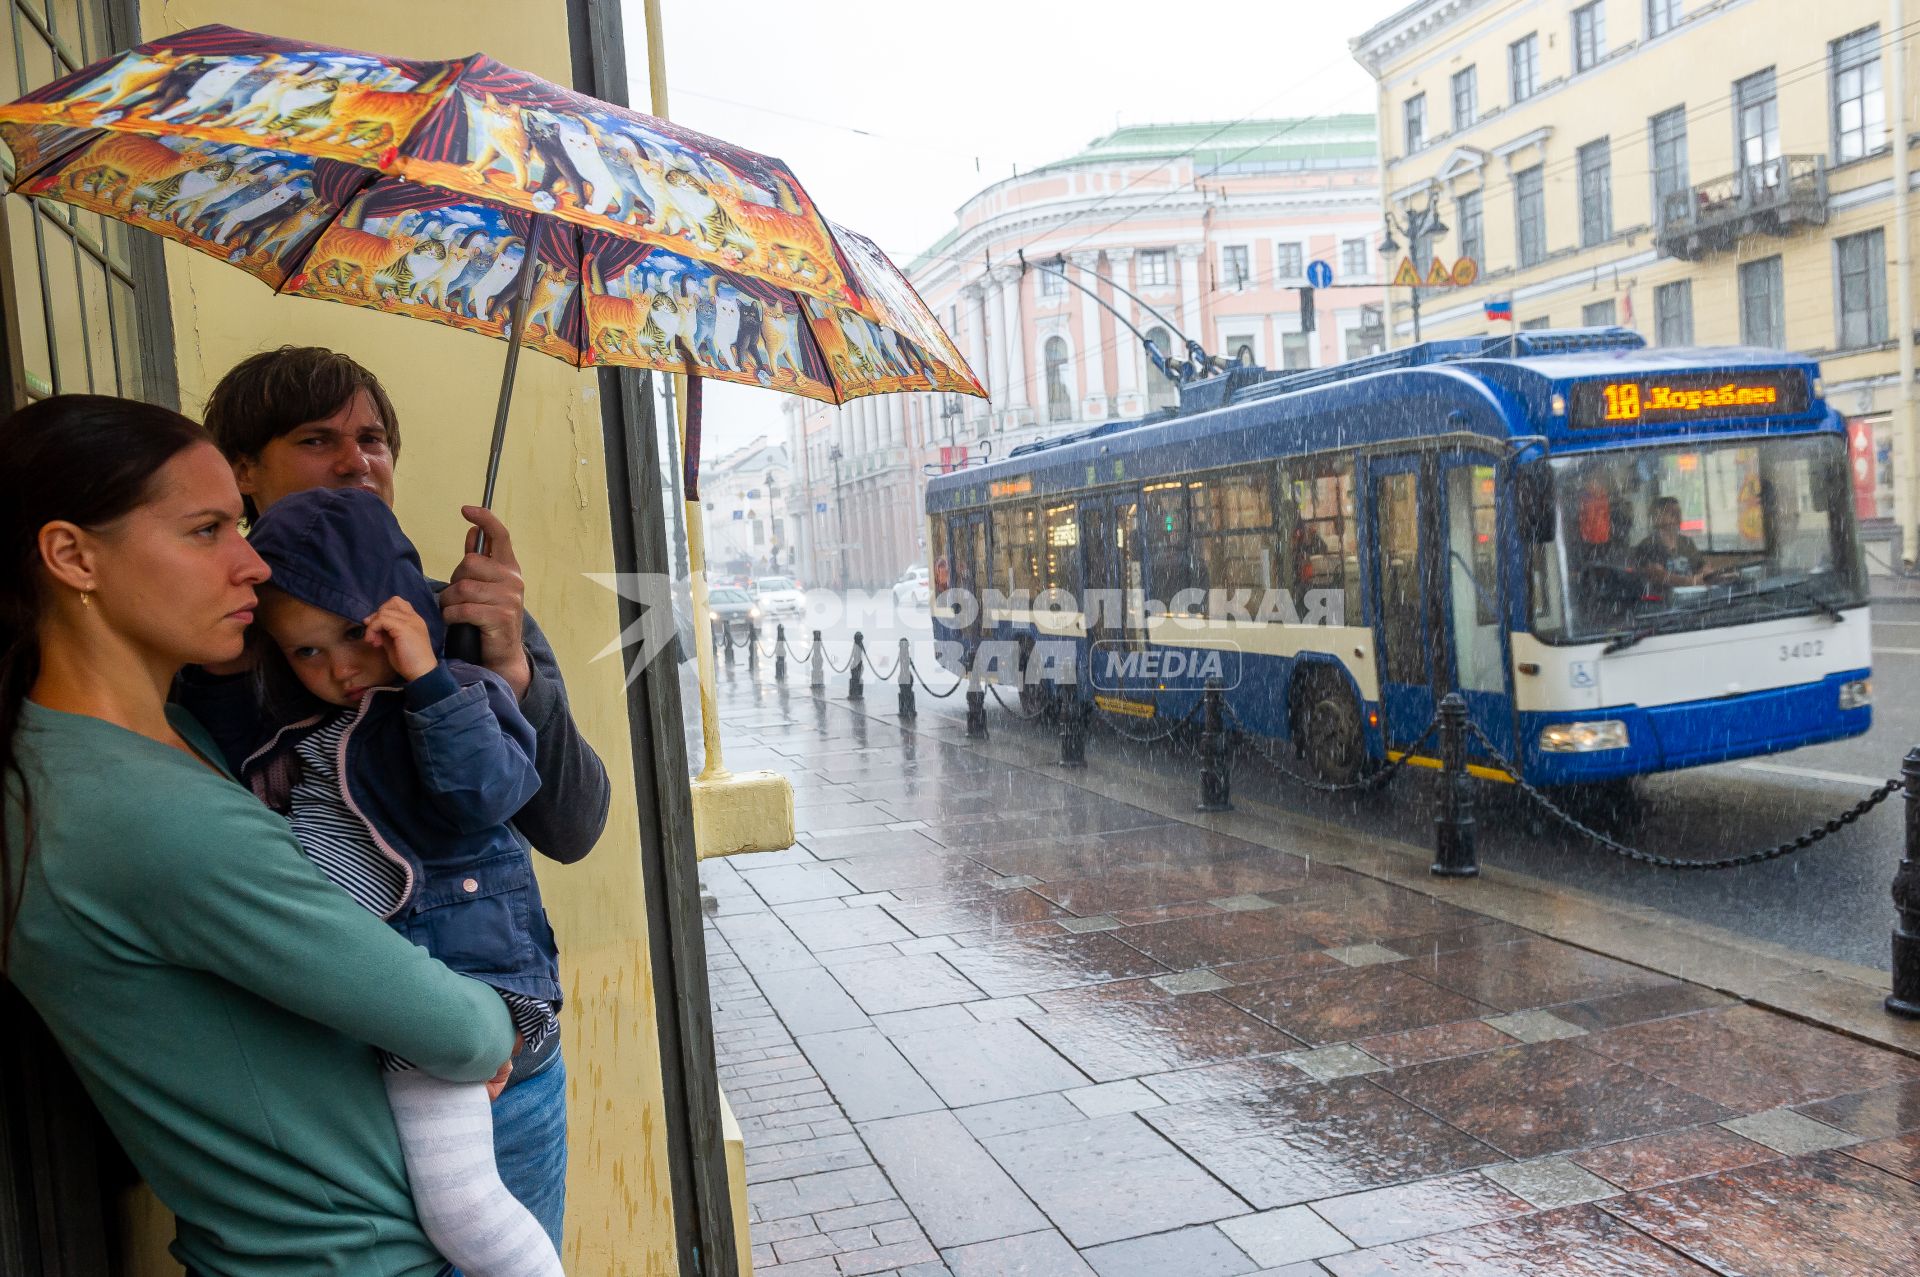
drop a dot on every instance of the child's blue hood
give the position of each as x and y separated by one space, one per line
342 551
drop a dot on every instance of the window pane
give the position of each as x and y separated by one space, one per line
93 301
1169 543
62 286
28 313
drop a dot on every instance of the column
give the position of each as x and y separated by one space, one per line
1093 354
1011 321
974 306
1193 280
997 383
1128 401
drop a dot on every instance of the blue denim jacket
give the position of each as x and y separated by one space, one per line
436 769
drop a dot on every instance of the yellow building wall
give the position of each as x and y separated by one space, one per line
553 497
1693 66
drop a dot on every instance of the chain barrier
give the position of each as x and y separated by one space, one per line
801 658
873 667
838 669
914 667
1372 780
1013 709
1801 843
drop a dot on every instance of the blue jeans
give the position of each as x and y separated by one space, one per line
530 1144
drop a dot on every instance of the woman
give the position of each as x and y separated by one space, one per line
209 986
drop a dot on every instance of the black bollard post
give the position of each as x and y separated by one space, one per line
976 701
1905 998
726 637
779 652
1073 727
903 674
1454 853
817 678
854 663
753 652
1215 783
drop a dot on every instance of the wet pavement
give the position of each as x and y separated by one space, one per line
981 1021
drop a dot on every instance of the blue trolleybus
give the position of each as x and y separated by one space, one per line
1627 560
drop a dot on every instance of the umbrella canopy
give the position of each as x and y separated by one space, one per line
420 188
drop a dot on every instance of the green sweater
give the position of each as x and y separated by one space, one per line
218 998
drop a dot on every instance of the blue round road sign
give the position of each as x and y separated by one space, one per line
1319 274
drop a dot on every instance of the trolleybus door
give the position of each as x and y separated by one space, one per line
1437 617
1400 505
969 575
1114 599
1476 629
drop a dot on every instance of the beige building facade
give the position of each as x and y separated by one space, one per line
1706 172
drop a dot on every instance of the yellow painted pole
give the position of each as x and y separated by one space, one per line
752 811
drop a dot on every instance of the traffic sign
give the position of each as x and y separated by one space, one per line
1407 276
1319 274
819 507
1438 276
1465 271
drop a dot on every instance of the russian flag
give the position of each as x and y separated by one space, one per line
1500 309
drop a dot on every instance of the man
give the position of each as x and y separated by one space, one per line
298 418
1666 558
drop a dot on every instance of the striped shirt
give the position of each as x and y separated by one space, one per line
342 847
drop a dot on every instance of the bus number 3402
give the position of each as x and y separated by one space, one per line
1798 651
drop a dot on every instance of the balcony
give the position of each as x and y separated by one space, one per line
1773 198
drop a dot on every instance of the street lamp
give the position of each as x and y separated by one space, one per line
1416 225
951 410
840 510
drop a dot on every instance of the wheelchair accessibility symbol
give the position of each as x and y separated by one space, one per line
1583 674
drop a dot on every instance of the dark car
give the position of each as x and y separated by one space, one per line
734 611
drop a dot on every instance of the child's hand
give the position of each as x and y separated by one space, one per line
398 629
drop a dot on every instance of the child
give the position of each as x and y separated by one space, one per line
399 770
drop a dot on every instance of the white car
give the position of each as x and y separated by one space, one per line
778 596
912 588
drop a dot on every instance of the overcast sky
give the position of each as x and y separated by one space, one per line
894 113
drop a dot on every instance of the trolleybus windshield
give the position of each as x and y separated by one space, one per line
1658 539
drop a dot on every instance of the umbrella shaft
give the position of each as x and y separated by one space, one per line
516 323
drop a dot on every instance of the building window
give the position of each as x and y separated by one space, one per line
1289 261
1668 131
1763 310
1473 234
1756 122
1162 392
1662 15
1053 281
1589 35
1296 350
1523 68
1415 108
1860 279
1530 215
1673 314
87 294
1599 314
1537 322
1059 398
1235 266
1596 192
1859 108
1152 270
1466 97
1355 263
1240 350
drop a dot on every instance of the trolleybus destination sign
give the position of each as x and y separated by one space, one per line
1651 400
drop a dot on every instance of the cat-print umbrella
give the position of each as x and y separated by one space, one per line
427 188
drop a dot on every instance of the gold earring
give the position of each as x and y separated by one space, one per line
86 598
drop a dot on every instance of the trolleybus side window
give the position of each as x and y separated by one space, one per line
1319 535
937 553
1062 562
1016 554
1398 547
1170 547
1233 540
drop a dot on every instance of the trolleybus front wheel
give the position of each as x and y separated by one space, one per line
1327 729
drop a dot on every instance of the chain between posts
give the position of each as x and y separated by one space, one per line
1013 710
1788 848
1104 716
928 687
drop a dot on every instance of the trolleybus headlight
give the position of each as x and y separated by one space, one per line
1857 694
1583 738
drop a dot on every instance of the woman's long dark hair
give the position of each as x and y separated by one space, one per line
87 459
